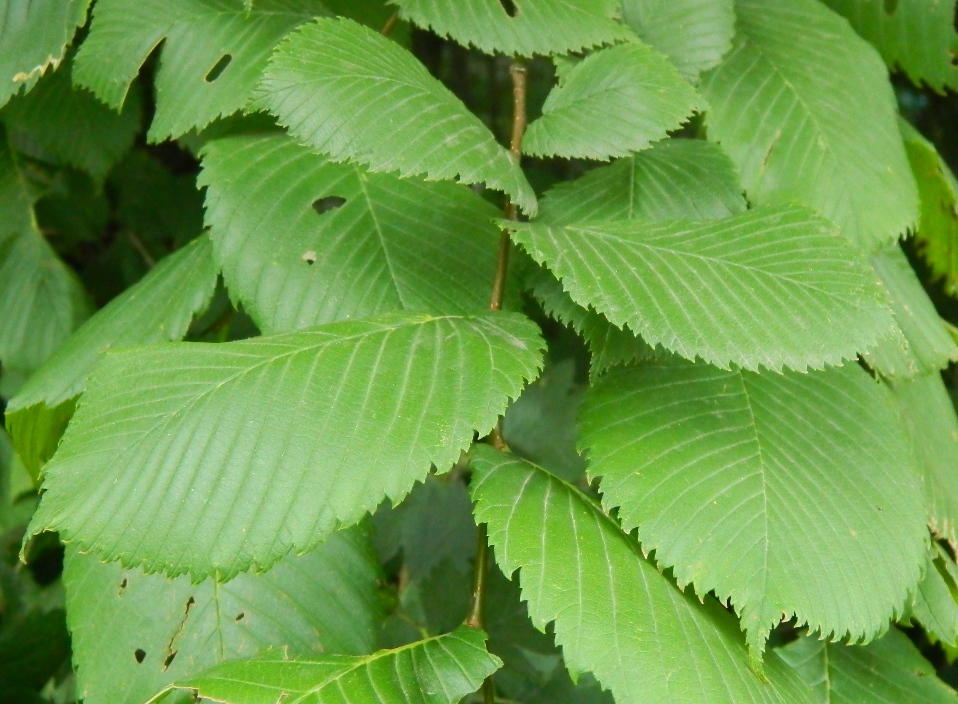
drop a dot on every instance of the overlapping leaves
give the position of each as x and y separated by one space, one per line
812 121
439 670
615 614
215 458
133 634
771 288
305 241
614 102
523 27
349 92
737 484
214 52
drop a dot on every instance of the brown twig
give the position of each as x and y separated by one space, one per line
390 24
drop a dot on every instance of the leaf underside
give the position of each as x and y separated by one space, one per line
738 486
615 614
305 241
218 458
770 288
347 91
812 121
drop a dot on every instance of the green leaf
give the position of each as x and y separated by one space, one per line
57 122
347 91
935 606
36 432
41 300
214 52
439 670
735 482
133 634
159 308
938 229
917 36
615 614
694 34
535 26
540 425
928 415
341 243
215 458
616 101
774 287
33 38
812 121
929 346
675 178
888 670
32 650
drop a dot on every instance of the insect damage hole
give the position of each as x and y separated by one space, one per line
139 654
510 7
169 660
309 257
219 67
324 205
240 616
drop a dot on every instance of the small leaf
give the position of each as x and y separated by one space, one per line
735 482
774 287
379 243
928 415
33 38
439 670
41 300
214 52
812 121
347 91
523 27
57 122
938 228
929 346
616 101
694 34
615 614
215 458
888 670
326 601
917 36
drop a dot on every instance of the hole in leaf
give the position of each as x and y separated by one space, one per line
324 205
891 6
510 7
309 257
240 616
169 659
139 654
122 586
219 67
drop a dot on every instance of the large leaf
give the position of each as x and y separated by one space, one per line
305 241
614 102
916 35
739 486
938 227
694 34
214 52
34 35
214 458
615 614
57 122
929 346
41 300
927 412
133 633
523 27
889 670
772 287
440 670
812 121
347 91
675 178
